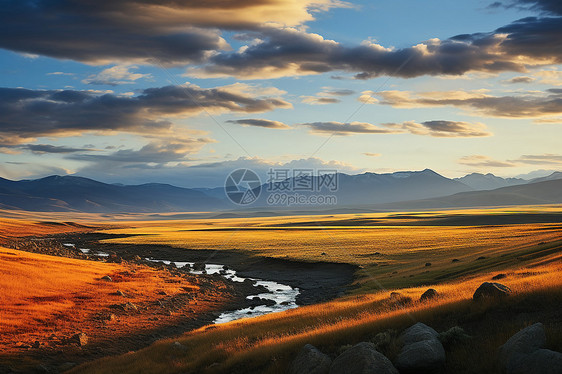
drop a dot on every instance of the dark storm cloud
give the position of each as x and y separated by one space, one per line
283 52
99 32
260 123
172 32
27 114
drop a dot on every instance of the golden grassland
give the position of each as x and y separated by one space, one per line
48 299
11 228
267 344
392 249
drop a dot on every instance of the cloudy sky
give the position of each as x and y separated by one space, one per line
183 91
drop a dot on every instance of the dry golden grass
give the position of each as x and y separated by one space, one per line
15 228
392 255
45 295
267 344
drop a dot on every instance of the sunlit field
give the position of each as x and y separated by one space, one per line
394 250
267 344
451 251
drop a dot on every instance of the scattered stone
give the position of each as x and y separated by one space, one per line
455 260
429 294
541 361
120 293
163 293
130 307
422 350
424 356
110 317
491 290
418 333
80 338
481 258
310 361
362 358
428 264
524 342
324 254
395 295
36 344
107 278
199 266
499 276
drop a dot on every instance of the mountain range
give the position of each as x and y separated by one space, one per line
412 189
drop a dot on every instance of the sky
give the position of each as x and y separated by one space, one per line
184 91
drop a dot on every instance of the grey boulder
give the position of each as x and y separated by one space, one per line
310 361
422 351
525 341
418 333
491 290
421 357
523 353
362 358
541 361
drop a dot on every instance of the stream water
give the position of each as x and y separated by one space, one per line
283 295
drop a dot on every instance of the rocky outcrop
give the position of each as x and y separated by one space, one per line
422 351
80 338
429 294
491 290
362 358
523 353
310 361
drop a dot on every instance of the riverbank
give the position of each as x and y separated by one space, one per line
132 317
316 281
59 311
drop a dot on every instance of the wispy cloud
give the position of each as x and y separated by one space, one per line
435 128
443 129
116 75
260 123
340 128
525 105
484 161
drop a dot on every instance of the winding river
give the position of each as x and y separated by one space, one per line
282 295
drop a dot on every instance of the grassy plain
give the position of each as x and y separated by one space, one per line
267 344
451 251
392 249
47 299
